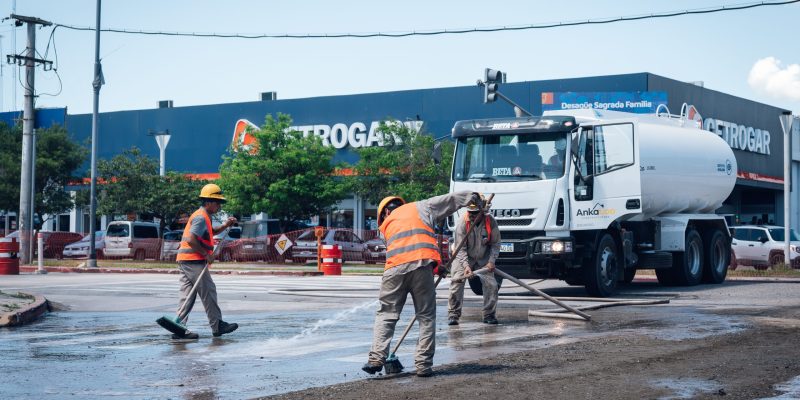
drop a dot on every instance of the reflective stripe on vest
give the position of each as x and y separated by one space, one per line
185 252
408 238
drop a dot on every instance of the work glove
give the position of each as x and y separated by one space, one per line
489 266
477 199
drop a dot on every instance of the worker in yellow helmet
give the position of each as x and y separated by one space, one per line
411 255
195 251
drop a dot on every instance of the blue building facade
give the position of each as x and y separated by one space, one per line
201 135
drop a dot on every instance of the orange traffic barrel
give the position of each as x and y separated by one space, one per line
331 256
9 263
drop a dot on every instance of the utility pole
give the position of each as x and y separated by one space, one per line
786 124
97 82
14 70
25 217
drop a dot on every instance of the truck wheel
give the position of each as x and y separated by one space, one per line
477 287
226 256
602 273
717 258
687 267
139 255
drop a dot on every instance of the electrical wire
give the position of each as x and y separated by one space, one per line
668 14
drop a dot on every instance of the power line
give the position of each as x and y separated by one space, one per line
441 31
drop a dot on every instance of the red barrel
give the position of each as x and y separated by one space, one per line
9 263
331 257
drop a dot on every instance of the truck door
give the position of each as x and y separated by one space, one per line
606 180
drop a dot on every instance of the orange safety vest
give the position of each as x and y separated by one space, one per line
486 223
185 252
408 239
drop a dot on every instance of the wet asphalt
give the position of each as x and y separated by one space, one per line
299 332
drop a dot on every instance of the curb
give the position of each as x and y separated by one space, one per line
33 269
27 314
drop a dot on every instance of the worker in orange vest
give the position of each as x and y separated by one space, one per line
411 255
481 249
195 251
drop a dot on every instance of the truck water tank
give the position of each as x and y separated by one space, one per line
683 170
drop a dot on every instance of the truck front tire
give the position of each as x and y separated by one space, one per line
601 273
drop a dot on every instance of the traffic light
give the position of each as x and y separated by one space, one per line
492 80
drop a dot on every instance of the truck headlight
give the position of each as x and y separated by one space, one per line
556 247
794 248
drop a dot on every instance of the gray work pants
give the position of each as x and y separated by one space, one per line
206 289
394 290
456 300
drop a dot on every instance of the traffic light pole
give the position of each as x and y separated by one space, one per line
518 110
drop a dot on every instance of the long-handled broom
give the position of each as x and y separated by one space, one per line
392 365
174 324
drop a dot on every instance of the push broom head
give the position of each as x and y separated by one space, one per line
392 365
172 324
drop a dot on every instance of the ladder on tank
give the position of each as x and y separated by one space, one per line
689 115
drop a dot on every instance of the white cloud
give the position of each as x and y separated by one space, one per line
768 77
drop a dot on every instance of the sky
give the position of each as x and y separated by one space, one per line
754 53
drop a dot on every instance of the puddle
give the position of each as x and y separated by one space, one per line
685 388
790 389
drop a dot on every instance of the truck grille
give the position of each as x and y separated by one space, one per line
514 222
519 235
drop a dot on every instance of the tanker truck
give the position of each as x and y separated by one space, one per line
591 196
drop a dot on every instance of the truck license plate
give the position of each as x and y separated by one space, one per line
506 247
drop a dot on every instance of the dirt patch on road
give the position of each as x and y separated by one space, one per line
742 365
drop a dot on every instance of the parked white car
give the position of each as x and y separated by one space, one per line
762 246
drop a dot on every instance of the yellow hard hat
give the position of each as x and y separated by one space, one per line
212 192
472 207
386 202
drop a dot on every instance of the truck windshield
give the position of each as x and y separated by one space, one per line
510 158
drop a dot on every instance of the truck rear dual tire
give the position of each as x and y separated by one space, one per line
687 266
718 257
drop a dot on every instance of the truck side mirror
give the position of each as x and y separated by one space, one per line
437 153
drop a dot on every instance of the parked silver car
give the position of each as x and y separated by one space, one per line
353 248
80 249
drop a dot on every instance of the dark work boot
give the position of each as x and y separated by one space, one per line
452 321
189 335
224 327
371 368
491 320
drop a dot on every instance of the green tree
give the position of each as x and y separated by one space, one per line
125 182
286 174
403 166
130 184
57 159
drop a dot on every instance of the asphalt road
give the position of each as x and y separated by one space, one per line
300 332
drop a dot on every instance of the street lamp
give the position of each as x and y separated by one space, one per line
162 139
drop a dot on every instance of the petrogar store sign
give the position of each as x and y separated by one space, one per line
740 137
338 135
